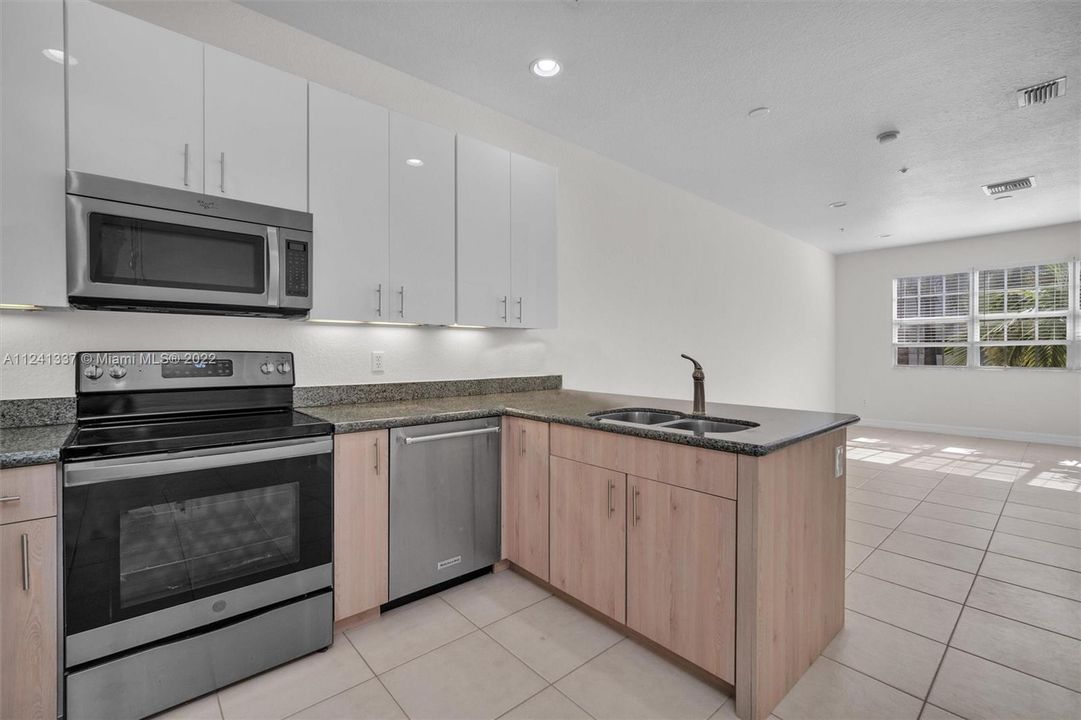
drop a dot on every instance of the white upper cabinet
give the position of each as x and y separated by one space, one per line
32 246
256 146
421 222
350 204
506 238
135 99
484 285
533 277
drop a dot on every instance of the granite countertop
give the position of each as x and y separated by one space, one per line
37 445
776 429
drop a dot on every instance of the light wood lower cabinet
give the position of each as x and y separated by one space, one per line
525 494
681 568
361 522
589 535
28 619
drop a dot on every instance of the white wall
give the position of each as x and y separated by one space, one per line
647 271
1017 403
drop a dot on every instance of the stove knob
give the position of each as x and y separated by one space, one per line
93 371
118 371
284 367
267 368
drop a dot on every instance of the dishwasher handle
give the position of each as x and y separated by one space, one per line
449 435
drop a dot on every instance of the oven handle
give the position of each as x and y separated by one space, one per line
98 471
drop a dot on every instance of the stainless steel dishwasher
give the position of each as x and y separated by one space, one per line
444 502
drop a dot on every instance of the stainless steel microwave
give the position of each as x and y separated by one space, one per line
133 246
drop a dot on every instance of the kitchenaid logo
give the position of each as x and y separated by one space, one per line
206 204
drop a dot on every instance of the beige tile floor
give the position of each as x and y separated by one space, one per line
963 597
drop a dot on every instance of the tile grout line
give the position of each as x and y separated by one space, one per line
1022 672
375 676
949 641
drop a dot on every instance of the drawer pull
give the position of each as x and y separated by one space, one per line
10 498
611 507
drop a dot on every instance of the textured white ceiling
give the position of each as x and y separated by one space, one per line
665 87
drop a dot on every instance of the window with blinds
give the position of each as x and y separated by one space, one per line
931 319
1024 316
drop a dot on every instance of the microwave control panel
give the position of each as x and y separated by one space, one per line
297 261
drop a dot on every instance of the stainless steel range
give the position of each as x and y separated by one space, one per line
197 528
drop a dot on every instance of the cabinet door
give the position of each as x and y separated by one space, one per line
421 222
533 243
681 572
525 494
349 201
32 155
135 99
589 535
483 177
28 620
361 531
256 132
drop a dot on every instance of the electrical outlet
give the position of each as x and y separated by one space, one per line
377 361
839 461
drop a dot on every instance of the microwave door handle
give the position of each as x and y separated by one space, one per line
272 265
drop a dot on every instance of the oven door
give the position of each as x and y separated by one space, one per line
121 253
158 545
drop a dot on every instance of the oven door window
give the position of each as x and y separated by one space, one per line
137 546
186 545
133 251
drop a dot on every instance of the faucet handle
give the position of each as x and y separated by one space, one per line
697 366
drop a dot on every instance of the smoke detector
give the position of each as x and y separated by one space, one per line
1041 93
1009 186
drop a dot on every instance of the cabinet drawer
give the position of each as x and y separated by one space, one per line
35 489
707 471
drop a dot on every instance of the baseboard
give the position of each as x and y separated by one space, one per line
994 433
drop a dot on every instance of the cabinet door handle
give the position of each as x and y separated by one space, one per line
519 309
611 507
10 498
223 172
634 507
522 431
379 300
186 183
504 301
377 457
401 307
26 561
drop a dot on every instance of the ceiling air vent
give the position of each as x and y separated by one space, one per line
1041 93
1009 186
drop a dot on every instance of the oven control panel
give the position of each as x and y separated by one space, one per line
127 371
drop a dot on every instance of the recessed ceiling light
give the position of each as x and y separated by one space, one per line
414 162
885 235
759 112
888 136
1003 197
838 204
57 56
545 67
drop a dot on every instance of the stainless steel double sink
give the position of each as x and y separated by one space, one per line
671 421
